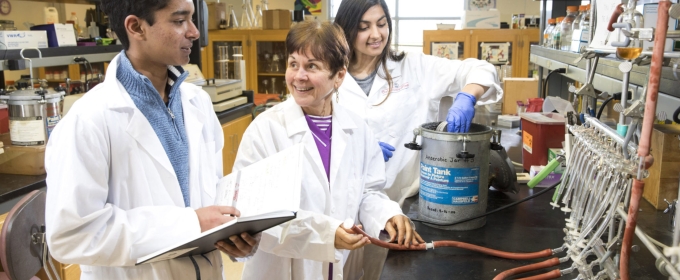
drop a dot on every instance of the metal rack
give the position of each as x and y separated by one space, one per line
63 55
608 76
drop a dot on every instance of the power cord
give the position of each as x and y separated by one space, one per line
495 210
544 94
615 96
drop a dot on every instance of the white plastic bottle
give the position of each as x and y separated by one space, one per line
93 30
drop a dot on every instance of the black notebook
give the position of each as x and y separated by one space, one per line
205 243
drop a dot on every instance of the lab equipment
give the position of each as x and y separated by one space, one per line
540 131
454 174
23 240
33 113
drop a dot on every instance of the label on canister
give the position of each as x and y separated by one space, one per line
449 186
51 122
27 131
527 142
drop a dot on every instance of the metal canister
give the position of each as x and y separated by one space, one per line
454 175
33 114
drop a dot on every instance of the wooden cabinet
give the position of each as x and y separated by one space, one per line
263 50
233 132
474 43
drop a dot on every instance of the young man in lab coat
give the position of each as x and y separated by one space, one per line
133 168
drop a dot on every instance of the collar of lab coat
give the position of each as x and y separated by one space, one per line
296 123
140 129
378 83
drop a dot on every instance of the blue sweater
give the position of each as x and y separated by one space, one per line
167 120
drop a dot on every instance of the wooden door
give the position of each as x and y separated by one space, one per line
436 40
227 39
269 56
486 43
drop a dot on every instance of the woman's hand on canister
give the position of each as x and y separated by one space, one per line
403 231
347 239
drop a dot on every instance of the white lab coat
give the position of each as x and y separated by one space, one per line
112 194
419 84
304 247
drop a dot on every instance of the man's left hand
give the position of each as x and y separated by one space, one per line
242 246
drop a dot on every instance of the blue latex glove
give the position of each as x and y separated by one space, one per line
461 113
387 150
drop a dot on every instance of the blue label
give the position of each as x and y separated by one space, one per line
449 186
51 123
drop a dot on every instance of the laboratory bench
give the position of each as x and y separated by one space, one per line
528 227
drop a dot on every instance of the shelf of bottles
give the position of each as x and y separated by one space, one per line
271 67
225 53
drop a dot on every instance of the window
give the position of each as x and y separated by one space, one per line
411 17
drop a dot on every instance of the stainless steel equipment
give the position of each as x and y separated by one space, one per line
33 114
224 94
454 175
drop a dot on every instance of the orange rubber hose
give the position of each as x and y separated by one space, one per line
457 244
553 274
526 268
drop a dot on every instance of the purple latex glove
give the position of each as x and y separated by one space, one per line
387 150
461 113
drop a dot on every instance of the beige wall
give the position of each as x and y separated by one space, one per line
510 7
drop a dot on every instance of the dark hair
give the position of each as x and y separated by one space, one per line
349 16
325 41
118 10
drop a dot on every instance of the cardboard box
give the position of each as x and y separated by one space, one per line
58 34
663 174
490 19
649 15
16 40
517 89
276 19
22 160
215 11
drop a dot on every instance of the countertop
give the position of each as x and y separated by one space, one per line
528 227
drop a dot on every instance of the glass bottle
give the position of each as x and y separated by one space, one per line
246 21
273 85
634 48
557 34
515 21
265 5
74 20
565 36
584 23
232 23
223 21
258 17
237 58
547 33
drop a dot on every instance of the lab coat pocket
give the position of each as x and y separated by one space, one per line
207 167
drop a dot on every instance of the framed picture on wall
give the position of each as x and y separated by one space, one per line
445 50
495 52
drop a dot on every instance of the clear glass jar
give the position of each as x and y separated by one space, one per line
572 12
556 41
547 33
584 23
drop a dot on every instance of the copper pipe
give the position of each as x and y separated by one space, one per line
457 244
646 136
548 275
636 193
526 268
